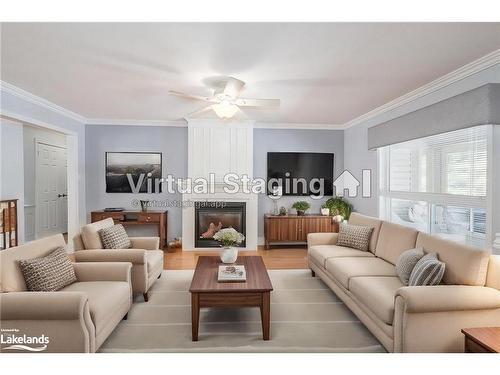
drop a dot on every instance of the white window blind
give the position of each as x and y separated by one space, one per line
438 184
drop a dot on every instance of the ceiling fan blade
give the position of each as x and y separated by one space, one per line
195 97
270 103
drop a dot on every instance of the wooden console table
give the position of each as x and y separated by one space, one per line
131 218
294 229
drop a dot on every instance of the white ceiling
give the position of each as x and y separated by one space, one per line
323 73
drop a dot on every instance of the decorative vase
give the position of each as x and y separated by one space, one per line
144 206
338 218
229 255
325 211
300 213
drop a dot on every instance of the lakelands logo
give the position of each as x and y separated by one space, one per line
16 341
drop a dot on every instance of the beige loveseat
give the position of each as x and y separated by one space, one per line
146 258
77 318
404 318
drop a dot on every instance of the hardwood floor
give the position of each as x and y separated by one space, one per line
276 258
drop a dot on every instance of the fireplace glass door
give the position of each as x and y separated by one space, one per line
213 216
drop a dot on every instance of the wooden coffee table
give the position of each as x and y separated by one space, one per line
206 291
482 340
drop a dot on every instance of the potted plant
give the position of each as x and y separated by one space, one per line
229 238
339 208
301 207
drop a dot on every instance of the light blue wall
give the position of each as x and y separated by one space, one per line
287 140
170 141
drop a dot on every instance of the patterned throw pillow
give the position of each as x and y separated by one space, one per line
406 262
354 236
115 237
49 273
428 271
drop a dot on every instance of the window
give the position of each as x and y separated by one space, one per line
438 184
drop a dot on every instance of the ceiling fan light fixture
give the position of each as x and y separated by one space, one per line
225 109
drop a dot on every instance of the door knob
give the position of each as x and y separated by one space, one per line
62 195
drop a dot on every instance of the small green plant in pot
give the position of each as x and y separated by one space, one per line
301 207
338 206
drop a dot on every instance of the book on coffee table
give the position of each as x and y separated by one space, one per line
231 273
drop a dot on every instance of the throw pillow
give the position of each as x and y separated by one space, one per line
406 262
428 271
115 237
354 236
48 274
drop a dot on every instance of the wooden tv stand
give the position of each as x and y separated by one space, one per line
293 229
131 218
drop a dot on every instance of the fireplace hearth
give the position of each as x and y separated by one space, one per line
210 217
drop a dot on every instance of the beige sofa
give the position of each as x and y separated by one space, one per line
77 318
145 256
403 318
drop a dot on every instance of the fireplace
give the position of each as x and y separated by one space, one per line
210 217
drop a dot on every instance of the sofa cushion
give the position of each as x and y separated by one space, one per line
343 269
465 265
428 271
90 233
12 279
367 221
320 253
106 299
154 259
354 236
393 240
115 237
406 262
377 294
49 273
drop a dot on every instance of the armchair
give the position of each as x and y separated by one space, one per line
77 318
145 255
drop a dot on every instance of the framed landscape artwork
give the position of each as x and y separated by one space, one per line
138 165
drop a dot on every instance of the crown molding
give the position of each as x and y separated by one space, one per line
184 123
128 122
22 119
463 72
297 126
34 99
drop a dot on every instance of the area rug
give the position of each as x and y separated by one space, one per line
306 316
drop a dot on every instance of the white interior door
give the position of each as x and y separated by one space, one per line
51 190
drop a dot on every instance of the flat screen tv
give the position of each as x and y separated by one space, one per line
290 169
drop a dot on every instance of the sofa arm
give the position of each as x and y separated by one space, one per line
146 243
423 299
42 305
63 318
135 256
430 318
314 239
103 271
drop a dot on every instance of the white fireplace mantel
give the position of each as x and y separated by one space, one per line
219 147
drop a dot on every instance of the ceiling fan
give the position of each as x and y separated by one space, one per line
226 101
